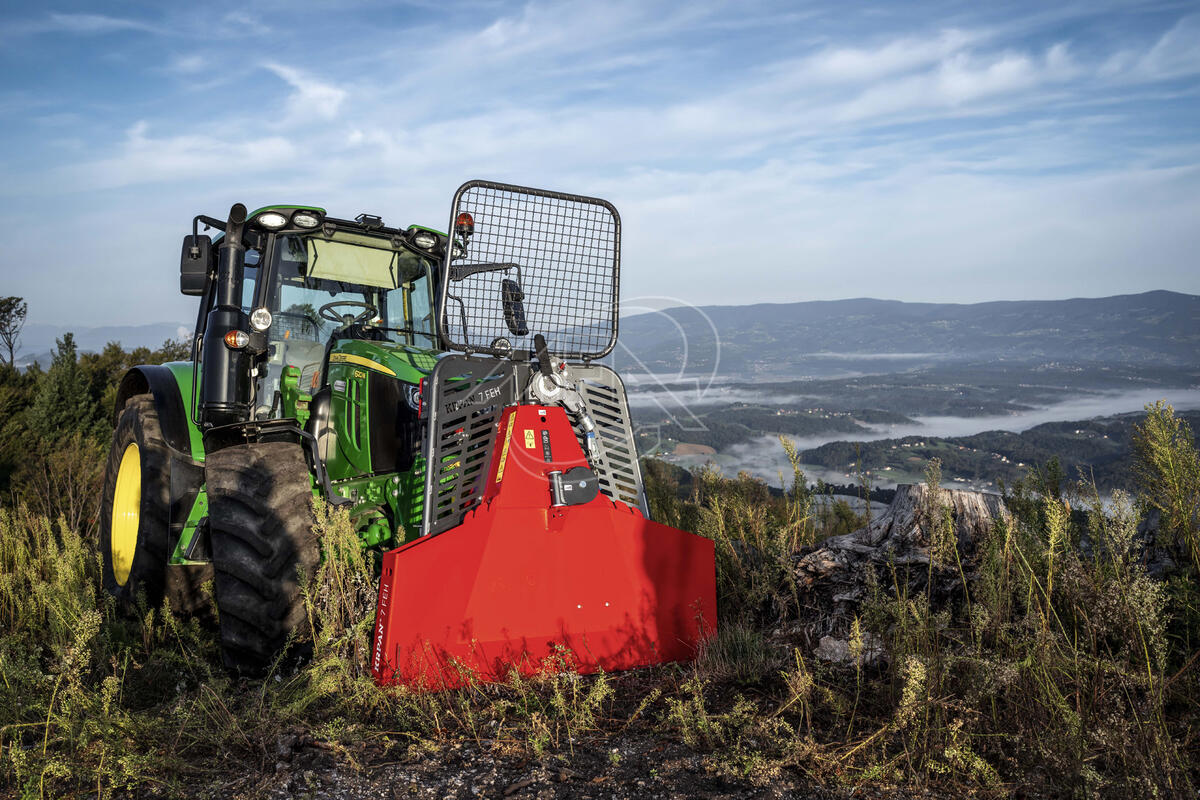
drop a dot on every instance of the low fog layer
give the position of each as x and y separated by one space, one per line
764 456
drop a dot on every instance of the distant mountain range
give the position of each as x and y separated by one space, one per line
823 338
773 340
38 340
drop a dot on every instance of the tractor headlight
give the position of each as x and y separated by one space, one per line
236 340
305 219
424 240
272 220
260 319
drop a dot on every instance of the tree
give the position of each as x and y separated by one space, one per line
12 320
63 405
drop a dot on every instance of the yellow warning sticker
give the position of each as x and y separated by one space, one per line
530 442
504 451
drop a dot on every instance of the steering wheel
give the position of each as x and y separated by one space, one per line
368 312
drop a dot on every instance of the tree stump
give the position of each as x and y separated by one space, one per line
832 577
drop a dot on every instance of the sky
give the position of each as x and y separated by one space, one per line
757 151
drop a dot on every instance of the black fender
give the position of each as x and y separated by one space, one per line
160 383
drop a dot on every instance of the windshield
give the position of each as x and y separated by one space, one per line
356 276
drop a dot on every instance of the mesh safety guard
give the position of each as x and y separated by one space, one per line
535 262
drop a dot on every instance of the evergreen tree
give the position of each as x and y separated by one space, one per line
63 405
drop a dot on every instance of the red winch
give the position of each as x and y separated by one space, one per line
545 572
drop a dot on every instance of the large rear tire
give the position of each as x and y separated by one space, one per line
261 524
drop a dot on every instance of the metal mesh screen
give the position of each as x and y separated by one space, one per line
556 257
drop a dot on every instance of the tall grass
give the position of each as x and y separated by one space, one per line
1056 665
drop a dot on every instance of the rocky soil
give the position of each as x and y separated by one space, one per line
634 764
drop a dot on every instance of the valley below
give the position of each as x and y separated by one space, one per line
985 423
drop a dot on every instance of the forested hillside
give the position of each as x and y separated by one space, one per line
1100 449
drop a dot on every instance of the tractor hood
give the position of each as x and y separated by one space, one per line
403 362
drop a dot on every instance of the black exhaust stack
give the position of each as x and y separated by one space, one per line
225 379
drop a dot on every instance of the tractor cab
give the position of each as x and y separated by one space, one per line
315 290
330 323
322 291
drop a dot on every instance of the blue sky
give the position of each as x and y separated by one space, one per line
757 151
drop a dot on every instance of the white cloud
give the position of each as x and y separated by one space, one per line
959 80
145 159
188 65
859 65
1176 54
311 96
94 24
243 23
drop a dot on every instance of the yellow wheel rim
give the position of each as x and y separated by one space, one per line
126 513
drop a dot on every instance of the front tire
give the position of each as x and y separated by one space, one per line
261 523
135 512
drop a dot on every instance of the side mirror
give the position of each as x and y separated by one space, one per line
194 264
514 307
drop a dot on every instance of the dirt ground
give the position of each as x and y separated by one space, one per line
634 765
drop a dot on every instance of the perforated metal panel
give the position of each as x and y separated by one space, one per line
617 465
562 250
466 398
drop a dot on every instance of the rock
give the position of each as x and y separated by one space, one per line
840 651
285 744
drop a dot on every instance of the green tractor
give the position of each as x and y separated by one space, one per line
311 341
385 370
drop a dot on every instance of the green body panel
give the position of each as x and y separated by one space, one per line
350 362
412 490
182 370
190 527
380 503
401 361
293 400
